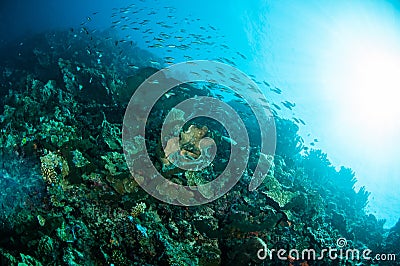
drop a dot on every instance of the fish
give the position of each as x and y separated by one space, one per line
154 62
236 81
184 88
242 55
169 94
183 47
207 71
195 73
133 66
85 30
288 105
276 90
212 81
165 35
262 99
144 22
301 121
276 106
226 60
221 73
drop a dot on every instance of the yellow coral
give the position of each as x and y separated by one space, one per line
50 163
138 209
188 145
191 138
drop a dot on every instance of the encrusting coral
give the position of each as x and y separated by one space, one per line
95 213
54 168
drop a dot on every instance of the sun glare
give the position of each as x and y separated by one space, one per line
371 83
364 70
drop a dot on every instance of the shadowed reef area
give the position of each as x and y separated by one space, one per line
68 198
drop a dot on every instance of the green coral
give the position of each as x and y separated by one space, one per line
66 233
56 132
78 159
115 163
276 192
112 135
24 260
46 245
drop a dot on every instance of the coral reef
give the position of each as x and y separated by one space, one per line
54 168
70 199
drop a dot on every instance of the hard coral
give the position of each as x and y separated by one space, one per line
51 164
191 138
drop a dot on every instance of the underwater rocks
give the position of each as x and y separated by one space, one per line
89 84
66 125
115 163
123 185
